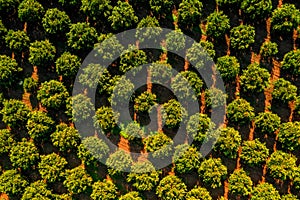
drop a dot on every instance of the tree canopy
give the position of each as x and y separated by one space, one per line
254 152
171 187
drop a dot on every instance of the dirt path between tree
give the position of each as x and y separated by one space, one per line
124 144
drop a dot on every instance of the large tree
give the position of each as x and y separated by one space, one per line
240 183
265 191
159 144
189 12
268 49
171 187
79 108
24 155
144 101
242 37
134 195
161 6
37 190
254 153
151 32
132 59
104 190
51 167
175 40
41 53
17 41
67 65
215 97
96 8
12 183
289 135
201 54
217 24
212 172
291 62
228 67
56 21
6 141
267 122
119 162
284 90
256 9
143 176
199 193
173 113
9 69
105 118
240 111
30 11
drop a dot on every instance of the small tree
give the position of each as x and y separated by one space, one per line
122 16
132 131
82 36
289 134
132 59
12 183
8 70
186 158
171 187
37 190
143 176
108 47
95 8
30 11
149 34
131 196
6 141
285 18
67 65
119 162
240 111
17 41
228 142
105 190
284 91
268 49
161 72
267 122
41 53
24 155
240 183
15 113
198 192
65 138
242 37
51 167
144 102
175 40
217 24
199 55
77 180
256 9
215 97
254 153
159 144
281 165
255 79
212 172
290 62
265 191
39 125
105 118
55 21
53 94
173 113
161 6
189 12
79 108
228 67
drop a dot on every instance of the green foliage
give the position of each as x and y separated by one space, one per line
161 72
65 137
254 153
228 67
215 97
132 131
105 190
173 113
55 21
79 108
30 85
186 158
143 176
175 40
268 49
217 24
171 187
144 101
67 65
39 125
52 94
212 172
148 35
198 126
7 6
265 191
108 48
96 8
132 58
69 2
189 12
240 111
122 16
77 180
291 62
106 118
91 73
24 155
255 79
284 91
199 193
242 37
119 162
37 190
51 167
159 144
6 141
3 30
30 11
198 55
8 70
161 6
122 92
240 183
289 197
256 9
12 183
267 122
41 53
14 113
228 142
17 40
82 36
131 196
227 2
289 135
281 165
285 19
92 149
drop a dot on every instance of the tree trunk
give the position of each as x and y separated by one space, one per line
25 27
186 65
149 83
202 109
228 44
238 87
251 132
226 189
